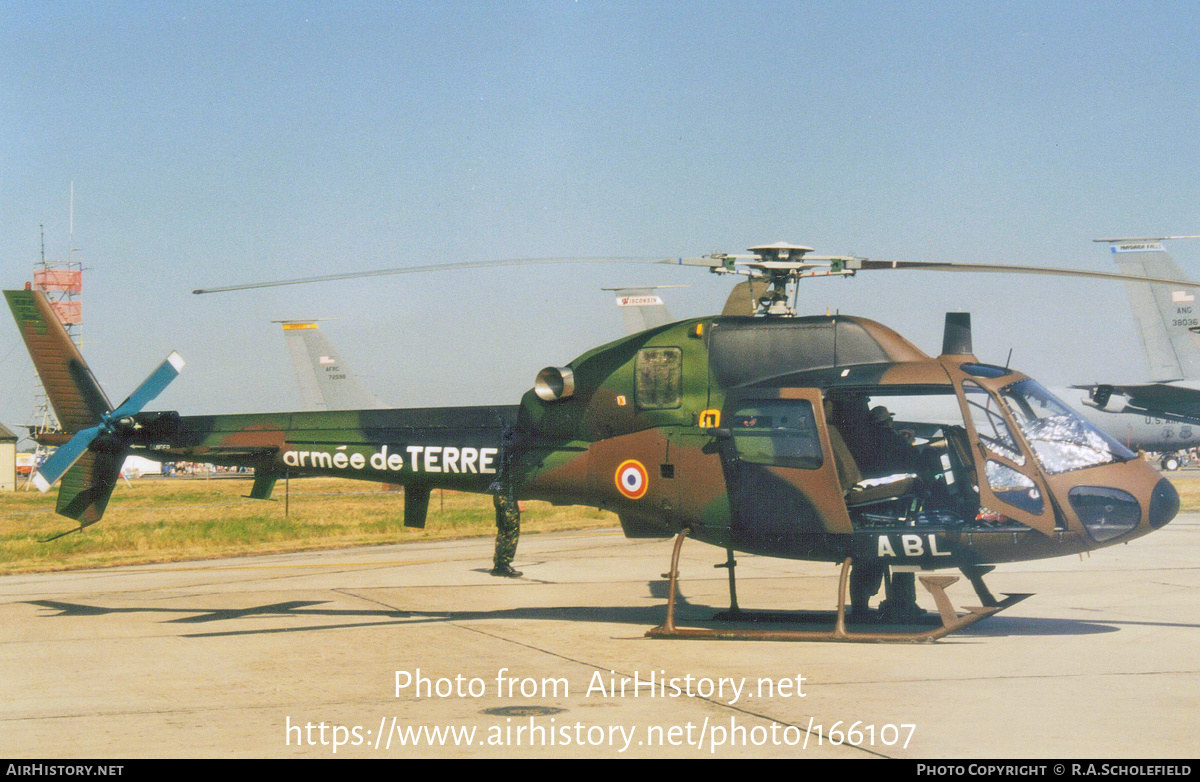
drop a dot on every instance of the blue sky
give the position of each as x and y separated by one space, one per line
216 143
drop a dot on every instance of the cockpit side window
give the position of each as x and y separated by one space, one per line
1013 487
989 424
777 431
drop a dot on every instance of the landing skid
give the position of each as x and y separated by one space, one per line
936 585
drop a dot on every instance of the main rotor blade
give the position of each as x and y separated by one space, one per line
434 267
712 262
864 263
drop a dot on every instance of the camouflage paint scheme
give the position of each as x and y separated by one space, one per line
674 428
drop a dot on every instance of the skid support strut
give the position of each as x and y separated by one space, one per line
936 585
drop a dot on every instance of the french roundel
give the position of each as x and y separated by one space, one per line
632 480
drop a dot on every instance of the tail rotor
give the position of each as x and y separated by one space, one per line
110 426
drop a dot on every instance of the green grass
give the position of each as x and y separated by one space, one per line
157 520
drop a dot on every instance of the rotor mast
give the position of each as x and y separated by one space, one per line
779 264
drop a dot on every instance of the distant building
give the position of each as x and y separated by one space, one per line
8 459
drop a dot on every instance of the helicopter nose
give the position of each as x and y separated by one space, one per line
1164 503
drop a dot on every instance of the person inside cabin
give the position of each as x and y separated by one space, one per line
893 446
878 447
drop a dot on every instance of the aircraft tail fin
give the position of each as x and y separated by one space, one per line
642 308
326 382
1168 319
86 487
76 397
743 299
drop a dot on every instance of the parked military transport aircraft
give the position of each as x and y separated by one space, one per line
1163 414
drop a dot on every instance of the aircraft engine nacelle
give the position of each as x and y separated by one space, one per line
554 383
1100 395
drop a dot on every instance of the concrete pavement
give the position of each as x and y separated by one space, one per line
415 651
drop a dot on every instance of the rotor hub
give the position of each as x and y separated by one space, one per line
780 251
779 264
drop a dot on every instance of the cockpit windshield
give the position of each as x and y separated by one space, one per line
1060 439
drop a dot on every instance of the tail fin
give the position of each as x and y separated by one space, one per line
76 397
743 299
326 383
85 488
88 472
1168 319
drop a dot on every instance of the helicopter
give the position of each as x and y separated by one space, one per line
757 431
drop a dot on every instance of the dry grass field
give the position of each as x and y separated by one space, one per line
163 520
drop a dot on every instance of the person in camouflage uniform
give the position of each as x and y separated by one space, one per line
508 512
508 531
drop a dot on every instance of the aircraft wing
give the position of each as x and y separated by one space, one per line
1171 401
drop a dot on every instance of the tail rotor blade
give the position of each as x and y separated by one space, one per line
151 387
64 458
